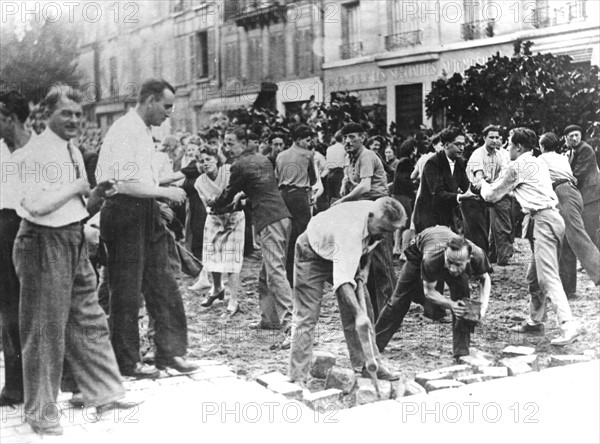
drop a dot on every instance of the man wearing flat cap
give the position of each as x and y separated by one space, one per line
585 169
295 174
365 179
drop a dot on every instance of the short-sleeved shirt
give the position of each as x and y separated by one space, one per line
367 165
127 152
341 236
431 243
295 167
491 164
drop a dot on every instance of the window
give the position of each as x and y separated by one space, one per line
475 27
404 28
134 64
277 56
180 60
304 53
157 61
351 43
113 85
255 59
232 61
198 50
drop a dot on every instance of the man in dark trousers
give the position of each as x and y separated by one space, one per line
14 111
585 169
253 174
295 172
137 239
444 184
437 254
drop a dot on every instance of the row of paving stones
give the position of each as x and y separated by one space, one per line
77 421
343 387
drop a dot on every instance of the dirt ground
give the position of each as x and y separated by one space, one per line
420 345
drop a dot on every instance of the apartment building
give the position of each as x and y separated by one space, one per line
220 55
389 52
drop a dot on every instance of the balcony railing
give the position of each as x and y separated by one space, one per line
260 14
548 16
351 50
477 29
403 40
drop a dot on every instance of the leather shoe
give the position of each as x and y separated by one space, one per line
121 404
143 371
208 301
383 373
77 400
54 429
233 309
178 363
263 326
8 401
526 327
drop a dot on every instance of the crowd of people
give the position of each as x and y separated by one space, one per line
323 202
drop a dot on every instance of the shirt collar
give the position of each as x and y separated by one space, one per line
50 136
354 157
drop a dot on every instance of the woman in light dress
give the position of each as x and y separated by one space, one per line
223 251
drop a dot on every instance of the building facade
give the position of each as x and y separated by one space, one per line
220 55
390 52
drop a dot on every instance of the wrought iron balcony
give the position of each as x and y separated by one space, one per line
351 50
260 14
548 16
403 39
477 29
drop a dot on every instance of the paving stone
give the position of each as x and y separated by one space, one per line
287 389
456 371
471 379
340 378
440 384
518 350
142 384
270 378
478 364
516 366
495 372
403 388
321 363
558 360
212 372
320 400
367 394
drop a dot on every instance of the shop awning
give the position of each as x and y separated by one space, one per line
222 104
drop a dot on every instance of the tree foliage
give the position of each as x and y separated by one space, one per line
39 56
544 92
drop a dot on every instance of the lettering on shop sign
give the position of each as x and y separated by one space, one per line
379 76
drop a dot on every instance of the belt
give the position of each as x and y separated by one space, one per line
560 182
536 212
71 225
293 187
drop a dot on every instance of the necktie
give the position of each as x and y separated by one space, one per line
77 167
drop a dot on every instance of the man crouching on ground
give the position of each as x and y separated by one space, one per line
331 249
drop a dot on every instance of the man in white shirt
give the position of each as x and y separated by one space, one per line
339 252
14 111
334 168
487 163
58 306
529 178
137 239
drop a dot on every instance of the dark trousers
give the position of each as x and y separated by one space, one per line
333 183
578 244
297 201
501 240
60 319
9 307
137 243
410 289
382 278
474 215
591 220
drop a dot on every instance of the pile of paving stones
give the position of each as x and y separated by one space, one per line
342 388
